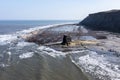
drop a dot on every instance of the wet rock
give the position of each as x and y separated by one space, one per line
66 40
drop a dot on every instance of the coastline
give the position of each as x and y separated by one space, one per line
98 48
88 51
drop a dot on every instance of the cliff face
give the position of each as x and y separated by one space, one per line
107 21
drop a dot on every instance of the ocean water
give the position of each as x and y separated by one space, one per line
12 26
21 60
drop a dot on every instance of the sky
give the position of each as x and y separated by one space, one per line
53 9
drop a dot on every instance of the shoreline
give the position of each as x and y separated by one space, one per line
99 48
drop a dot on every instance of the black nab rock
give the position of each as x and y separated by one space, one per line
106 21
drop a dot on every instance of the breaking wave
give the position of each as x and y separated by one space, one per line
15 52
13 47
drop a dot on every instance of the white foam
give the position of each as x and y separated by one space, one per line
26 55
23 44
4 39
4 65
40 27
51 52
9 56
9 53
100 65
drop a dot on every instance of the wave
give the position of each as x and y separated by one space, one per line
26 55
4 39
100 66
41 27
51 52
8 38
13 47
97 64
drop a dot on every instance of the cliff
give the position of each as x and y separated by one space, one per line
106 21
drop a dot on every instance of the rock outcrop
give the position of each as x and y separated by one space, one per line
106 21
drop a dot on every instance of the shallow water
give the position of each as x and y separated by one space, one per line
20 60
41 66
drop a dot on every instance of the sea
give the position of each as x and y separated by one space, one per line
21 60
11 26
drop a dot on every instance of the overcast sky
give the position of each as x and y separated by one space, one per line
53 9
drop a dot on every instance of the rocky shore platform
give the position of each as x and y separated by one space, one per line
53 36
98 51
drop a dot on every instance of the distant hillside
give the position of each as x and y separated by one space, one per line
107 21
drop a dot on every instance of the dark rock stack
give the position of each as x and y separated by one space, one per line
106 21
66 40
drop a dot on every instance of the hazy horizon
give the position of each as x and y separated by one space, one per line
53 9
